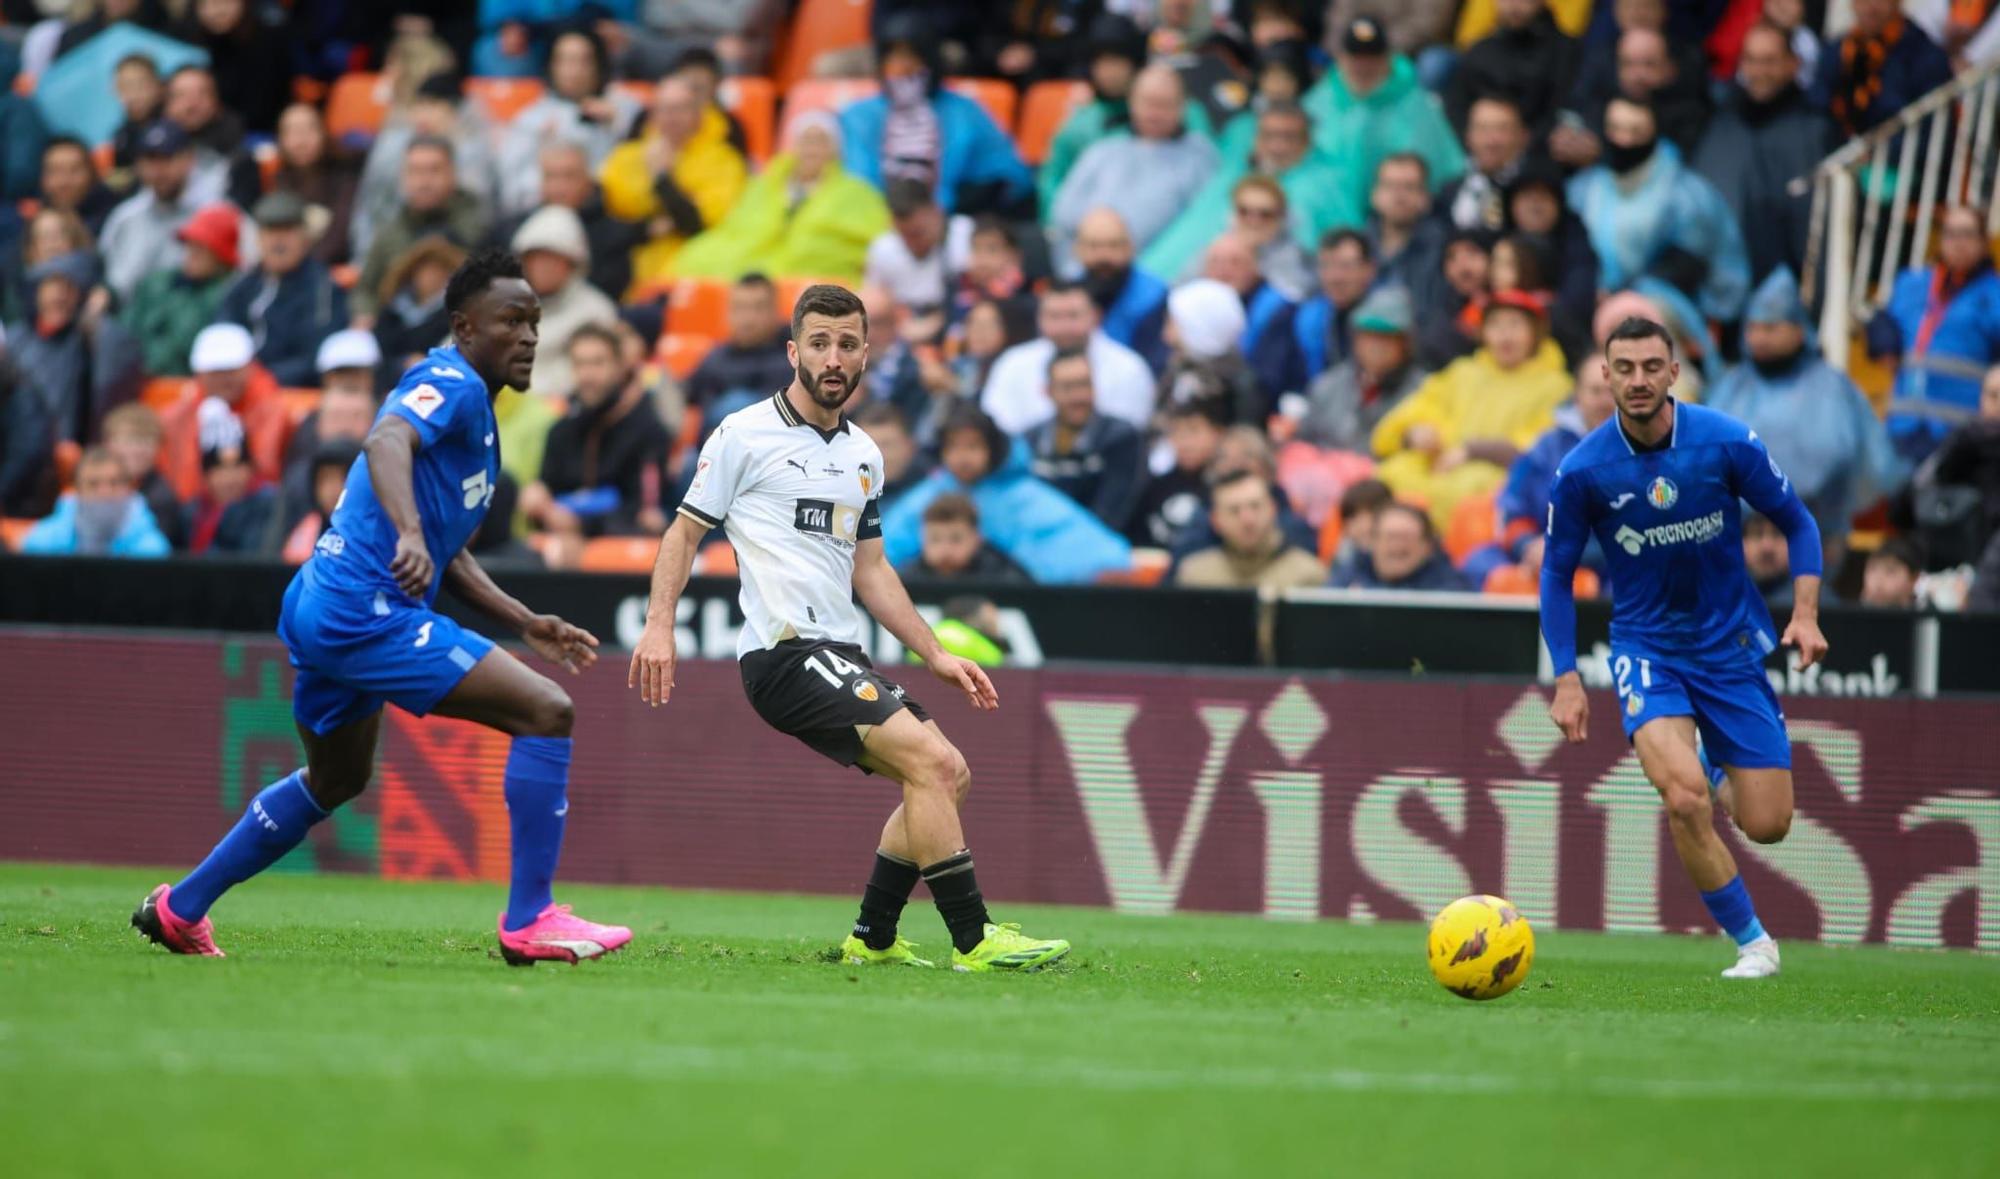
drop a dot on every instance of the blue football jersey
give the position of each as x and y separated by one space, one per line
453 476
1670 524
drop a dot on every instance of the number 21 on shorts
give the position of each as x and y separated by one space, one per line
1622 669
834 663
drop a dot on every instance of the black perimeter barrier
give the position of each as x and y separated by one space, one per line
1874 652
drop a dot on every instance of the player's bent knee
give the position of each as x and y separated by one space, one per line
1687 806
1766 828
553 715
331 789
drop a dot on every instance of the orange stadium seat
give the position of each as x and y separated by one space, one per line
267 164
790 288
357 105
998 97
682 353
504 97
698 307
820 26
1047 107
821 94
103 158
1329 538
1512 581
162 392
299 403
1472 525
13 530
754 102
619 554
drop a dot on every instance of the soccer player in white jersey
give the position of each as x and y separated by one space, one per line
797 489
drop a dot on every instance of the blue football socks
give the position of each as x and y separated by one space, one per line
1731 908
275 822
537 786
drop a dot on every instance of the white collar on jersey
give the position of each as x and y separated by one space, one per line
1673 437
791 417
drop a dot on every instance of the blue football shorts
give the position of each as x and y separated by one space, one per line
1733 706
356 650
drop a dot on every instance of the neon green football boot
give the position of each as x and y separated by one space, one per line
855 952
1005 947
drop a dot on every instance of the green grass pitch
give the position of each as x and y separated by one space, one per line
367 1028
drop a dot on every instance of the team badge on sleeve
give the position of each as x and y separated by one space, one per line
1662 493
423 401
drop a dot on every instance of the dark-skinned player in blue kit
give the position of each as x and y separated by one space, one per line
359 622
1660 485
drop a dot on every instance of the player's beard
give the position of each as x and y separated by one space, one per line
848 381
1659 403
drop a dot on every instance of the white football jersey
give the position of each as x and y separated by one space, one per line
794 501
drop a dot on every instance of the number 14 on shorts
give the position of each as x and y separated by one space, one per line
833 667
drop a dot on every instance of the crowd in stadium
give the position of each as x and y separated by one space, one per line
1250 293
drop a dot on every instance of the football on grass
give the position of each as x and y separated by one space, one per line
1481 947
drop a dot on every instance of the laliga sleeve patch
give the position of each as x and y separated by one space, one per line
423 401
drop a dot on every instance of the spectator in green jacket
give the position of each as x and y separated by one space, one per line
171 305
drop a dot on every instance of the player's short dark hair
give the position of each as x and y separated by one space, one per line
1904 551
433 142
1364 497
952 508
1066 354
759 280
1638 327
1423 518
1333 239
477 273
831 300
593 331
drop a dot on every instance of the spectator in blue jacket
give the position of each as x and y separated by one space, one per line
22 133
1096 460
290 302
103 517
1046 532
1133 302
917 128
1346 275
1942 327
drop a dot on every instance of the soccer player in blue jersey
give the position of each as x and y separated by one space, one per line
1660 487
359 622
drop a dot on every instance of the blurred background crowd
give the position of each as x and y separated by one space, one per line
1198 292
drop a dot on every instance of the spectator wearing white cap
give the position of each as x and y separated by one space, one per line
1204 333
347 405
224 360
232 512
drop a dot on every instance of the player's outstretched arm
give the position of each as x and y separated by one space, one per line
882 595
653 660
392 448
561 643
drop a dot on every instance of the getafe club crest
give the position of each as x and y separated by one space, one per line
1662 493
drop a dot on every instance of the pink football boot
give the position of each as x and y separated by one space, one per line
157 921
558 936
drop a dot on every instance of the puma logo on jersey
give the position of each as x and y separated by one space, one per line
796 463
1621 501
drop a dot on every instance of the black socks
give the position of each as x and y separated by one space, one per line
882 901
956 892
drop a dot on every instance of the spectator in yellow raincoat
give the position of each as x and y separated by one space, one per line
803 217
679 177
1463 427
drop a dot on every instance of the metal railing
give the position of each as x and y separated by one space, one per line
1946 151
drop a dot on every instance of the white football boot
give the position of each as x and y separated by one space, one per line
1759 959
